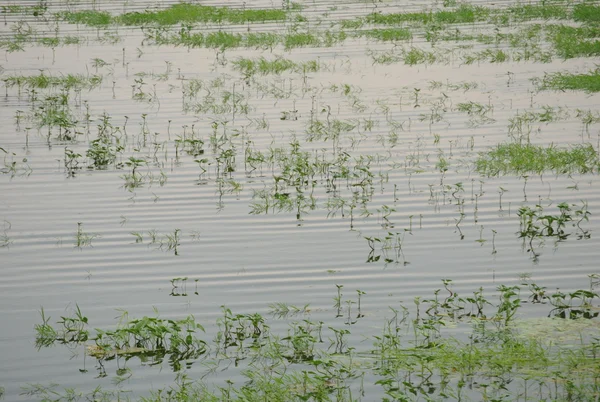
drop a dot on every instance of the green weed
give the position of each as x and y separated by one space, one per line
412 354
563 81
586 12
521 159
176 14
262 66
43 81
87 17
386 35
464 14
83 239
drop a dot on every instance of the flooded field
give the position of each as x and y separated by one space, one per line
312 200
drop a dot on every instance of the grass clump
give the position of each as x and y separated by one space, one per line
316 361
386 35
570 42
526 12
586 13
589 82
43 81
521 159
464 14
259 40
87 17
262 66
176 14
186 12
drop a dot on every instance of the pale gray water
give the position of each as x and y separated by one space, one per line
247 261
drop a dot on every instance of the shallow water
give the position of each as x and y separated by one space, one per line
247 261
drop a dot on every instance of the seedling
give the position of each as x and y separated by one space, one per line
83 239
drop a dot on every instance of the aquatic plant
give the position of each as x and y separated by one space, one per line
563 81
412 354
175 14
516 158
83 239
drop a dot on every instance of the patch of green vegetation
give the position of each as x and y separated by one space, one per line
300 39
586 12
412 354
522 159
43 81
92 18
569 47
261 40
37 10
563 81
467 14
390 34
527 12
464 14
572 42
262 66
538 224
186 12
176 14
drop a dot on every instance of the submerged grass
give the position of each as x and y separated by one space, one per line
563 81
586 12
467 13
176 14
43 81
258 40
521 159
386 35
411 355
262 66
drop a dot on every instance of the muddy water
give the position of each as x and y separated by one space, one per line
247 261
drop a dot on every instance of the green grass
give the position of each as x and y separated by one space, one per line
258 40
570 42
462 15
411 353
586 12
386 35
185 12
468 14
43 81
521 159
176 14
277 66
37 10
564 81
88 17
527 12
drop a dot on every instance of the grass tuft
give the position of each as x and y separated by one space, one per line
87 17
262 66
462 15
528 158
575 82
389 34
176 14
586 13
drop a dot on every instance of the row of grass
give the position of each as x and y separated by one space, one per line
42 81
522 159
262 66
175 14
412 355
259 40
563 81
467 14
463 14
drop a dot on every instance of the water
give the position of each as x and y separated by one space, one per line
247 261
